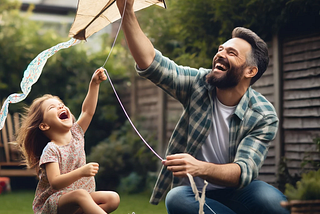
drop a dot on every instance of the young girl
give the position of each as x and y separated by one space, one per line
53 143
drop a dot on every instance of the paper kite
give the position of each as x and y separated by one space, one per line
92 15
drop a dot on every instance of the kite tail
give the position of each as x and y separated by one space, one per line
31 76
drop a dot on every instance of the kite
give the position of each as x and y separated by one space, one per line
91 17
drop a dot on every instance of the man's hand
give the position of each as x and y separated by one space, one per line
121 3
181 164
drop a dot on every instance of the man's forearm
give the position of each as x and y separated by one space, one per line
140 46
221 174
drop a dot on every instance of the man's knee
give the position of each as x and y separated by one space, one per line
181 200
268 200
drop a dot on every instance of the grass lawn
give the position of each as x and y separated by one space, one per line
21 202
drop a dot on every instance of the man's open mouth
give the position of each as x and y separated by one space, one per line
221 67
221 64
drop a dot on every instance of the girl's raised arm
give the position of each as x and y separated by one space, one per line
90 102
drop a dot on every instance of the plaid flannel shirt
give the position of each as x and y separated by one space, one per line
253 125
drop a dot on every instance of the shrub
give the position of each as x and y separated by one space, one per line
122 154
308 188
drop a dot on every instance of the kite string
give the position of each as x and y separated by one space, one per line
154 152
115 38
114 90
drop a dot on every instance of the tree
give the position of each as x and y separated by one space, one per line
190 31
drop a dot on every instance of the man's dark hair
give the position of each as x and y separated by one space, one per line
259 55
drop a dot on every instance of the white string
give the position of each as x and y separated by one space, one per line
114 90
209 208
114 41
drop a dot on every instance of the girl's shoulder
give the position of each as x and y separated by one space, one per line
50 153
49 146
77 130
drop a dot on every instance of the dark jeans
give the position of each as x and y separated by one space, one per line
256 198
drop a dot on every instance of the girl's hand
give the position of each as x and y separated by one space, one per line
89 169
99 76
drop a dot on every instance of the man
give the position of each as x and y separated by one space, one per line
224 132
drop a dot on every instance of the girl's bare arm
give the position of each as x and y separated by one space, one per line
58 181
90 102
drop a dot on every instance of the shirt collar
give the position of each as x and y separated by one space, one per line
243 104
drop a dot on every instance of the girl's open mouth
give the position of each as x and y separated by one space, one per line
63 115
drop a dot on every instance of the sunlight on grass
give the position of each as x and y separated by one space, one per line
21 202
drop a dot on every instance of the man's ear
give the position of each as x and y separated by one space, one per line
44 127
251 72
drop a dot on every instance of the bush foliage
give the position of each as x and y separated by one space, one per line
308 188
124 155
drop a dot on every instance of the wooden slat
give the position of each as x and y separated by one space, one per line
301 65
264 81
301 45
5 141
311 72
10 164
300 136
301 103
301 94
17 172
302 112
147 100
301 123
269 178
10 128
302 56
265 90
310 83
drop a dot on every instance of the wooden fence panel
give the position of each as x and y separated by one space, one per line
301 103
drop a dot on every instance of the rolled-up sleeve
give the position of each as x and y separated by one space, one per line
253 149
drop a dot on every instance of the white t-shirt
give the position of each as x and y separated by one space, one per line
216 147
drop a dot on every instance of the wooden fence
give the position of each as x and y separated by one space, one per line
10 156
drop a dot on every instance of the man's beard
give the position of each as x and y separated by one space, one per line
229 80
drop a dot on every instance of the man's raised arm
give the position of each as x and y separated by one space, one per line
140 46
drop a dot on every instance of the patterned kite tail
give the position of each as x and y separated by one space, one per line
31 76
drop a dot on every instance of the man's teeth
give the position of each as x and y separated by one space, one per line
220 67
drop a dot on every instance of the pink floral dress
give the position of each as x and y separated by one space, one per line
69 157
